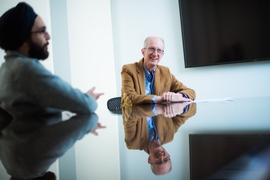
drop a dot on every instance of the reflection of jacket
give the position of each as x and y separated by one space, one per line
133 84
29 148
136 127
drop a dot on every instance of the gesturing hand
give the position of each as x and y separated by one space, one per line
99 126
92 93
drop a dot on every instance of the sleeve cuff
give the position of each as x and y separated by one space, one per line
184 95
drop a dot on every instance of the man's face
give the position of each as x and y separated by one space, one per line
153 53
159 158
38 41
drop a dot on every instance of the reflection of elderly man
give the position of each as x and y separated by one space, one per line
142 134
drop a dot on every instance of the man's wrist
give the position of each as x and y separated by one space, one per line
158 99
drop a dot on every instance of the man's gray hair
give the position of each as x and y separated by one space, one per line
146 41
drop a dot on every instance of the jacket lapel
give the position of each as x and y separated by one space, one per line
141 77
157 82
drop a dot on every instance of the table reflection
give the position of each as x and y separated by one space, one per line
29 148
122 150
149 127
244 122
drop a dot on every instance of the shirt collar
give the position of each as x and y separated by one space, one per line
147 73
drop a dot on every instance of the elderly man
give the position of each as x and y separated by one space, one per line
147 82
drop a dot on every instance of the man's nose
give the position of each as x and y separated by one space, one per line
161 157
155 52
47 35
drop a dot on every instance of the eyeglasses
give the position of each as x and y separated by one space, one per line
43 31
160 161
152 50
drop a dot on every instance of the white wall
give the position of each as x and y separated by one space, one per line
91 50
92 64
133 21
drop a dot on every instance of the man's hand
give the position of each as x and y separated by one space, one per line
174 97
171 109
92 93
174 109
99 126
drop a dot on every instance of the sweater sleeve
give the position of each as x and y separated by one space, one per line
47 90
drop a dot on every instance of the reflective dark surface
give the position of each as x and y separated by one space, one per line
29 148
120 151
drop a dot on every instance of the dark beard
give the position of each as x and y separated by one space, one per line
37 51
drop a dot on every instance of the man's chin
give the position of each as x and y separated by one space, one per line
38 53
44 56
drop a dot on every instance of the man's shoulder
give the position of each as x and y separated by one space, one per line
25 63
16 57
132 66
22 64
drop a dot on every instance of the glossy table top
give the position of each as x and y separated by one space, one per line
241 116
116 152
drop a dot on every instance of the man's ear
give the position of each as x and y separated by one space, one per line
149 161
25 44
24 48
142 51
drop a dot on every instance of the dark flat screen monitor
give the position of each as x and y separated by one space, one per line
229 156
224 31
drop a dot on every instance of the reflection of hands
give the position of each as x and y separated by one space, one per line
171 109
99 126
92 93
174 97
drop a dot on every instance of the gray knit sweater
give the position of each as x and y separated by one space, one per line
28 90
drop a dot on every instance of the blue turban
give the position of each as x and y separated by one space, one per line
16 25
